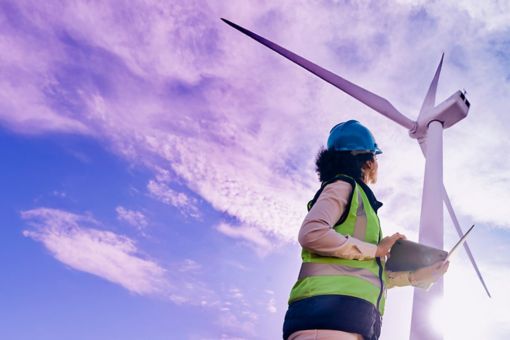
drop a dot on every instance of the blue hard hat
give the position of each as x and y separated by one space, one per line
352 136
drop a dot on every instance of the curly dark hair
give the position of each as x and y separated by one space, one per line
330 163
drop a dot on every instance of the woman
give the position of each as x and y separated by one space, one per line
341 288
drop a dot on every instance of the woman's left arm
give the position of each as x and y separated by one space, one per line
421 278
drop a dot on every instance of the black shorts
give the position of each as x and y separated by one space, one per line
335 312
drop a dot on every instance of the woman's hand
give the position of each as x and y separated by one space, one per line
384 247
430 274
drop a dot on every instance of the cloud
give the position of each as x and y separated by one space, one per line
133 217
60 194
237 315
166 187
271 306
99 252
495 15
76 241
238 126
238 323
252 235
189 265
164 193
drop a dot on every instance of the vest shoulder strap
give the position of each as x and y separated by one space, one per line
344 178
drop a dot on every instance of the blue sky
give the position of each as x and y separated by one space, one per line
79 176
156 164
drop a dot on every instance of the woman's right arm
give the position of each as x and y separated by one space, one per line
317 234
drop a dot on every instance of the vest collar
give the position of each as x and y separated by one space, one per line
370 195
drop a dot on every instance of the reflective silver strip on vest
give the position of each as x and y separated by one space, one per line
309 269
360 229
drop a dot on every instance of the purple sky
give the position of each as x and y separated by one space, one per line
156 163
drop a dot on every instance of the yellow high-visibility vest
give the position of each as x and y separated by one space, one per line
364 279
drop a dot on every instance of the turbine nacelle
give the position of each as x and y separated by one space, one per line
448 113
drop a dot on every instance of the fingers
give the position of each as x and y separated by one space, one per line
386 243
395 237
398 236
444 267
431 273
441 264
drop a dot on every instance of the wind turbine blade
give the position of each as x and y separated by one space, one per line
459 231
368 98
430 99
455 221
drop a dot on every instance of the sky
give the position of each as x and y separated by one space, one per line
156 163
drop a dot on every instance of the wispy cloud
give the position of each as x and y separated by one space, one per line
78 242
71 240
271 306
237 315
271 303
253 236
495 15
134 218
164 193
60 194
237 323
189 265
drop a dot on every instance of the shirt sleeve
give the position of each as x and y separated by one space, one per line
397 279
402 279
317 234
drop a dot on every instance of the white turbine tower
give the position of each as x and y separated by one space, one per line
428 131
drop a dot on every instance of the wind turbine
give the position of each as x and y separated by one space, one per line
428 131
